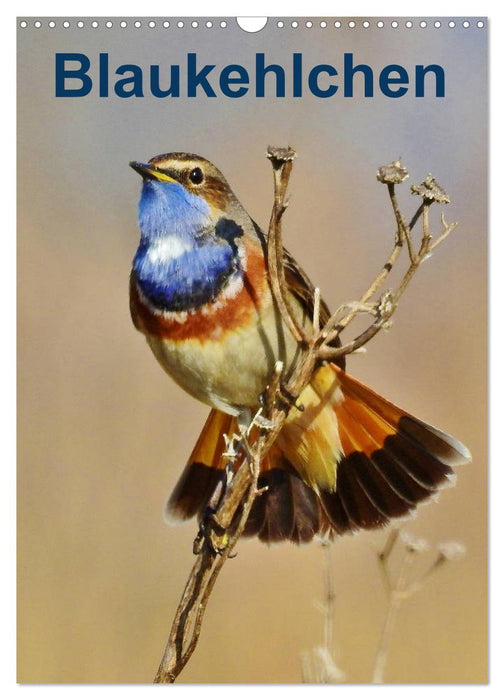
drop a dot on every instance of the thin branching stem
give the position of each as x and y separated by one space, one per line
395 598
281 160
330 598
400 589
216 542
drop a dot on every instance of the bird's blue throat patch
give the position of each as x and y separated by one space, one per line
167 207
183 261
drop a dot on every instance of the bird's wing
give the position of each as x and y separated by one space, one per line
301 286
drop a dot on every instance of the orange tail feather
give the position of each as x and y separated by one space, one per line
349 460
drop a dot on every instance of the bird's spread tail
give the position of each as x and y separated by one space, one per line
349 460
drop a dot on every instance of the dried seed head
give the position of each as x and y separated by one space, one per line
451 550
279 156
385 305
414 544
332 672
392 174
431 191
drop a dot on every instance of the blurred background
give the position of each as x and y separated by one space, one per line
103 434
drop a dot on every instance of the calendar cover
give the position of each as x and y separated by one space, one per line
252 349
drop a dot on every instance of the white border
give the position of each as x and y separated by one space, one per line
429 8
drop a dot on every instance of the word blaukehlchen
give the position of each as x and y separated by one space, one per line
76 76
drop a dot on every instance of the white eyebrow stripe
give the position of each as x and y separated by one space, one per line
167 249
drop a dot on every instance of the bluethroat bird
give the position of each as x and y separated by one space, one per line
200 293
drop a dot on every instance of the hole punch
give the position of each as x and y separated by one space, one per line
252 24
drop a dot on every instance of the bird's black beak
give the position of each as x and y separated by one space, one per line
150 172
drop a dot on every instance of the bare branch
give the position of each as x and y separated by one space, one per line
219 534
281 160
318 664
215 544
212 548
400 589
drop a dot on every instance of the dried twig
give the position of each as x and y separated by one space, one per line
401 589
281 160
216 541
384 308
319 665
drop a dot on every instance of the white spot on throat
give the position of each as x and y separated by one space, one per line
167 249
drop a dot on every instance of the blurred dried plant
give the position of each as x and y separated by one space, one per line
403 587
319 665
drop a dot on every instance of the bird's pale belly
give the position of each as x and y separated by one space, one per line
228 371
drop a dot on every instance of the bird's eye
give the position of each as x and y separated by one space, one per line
196 176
